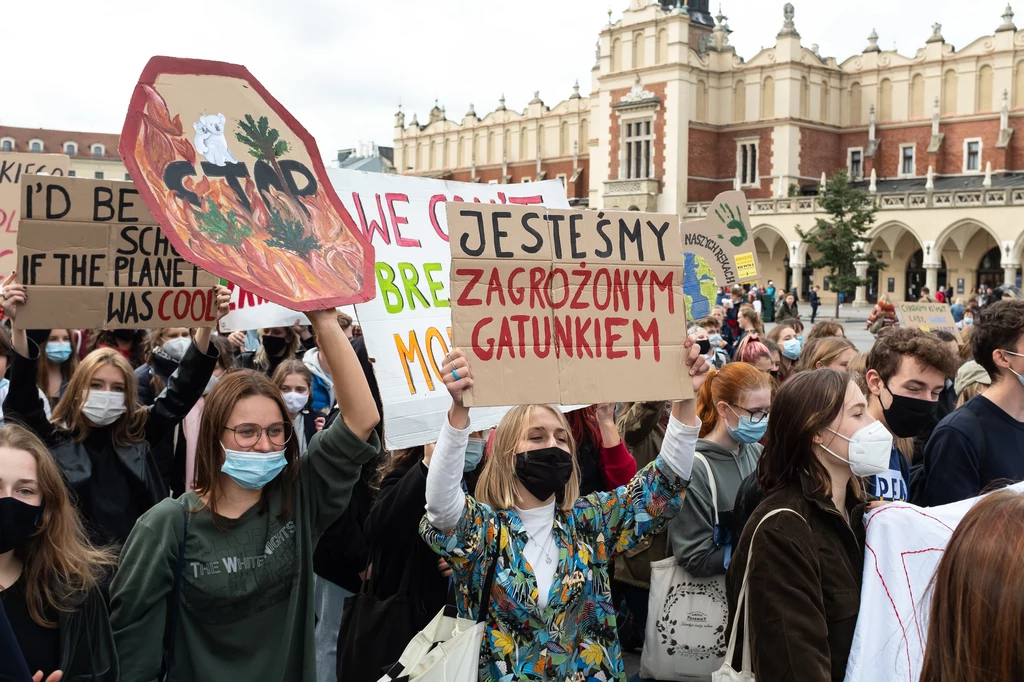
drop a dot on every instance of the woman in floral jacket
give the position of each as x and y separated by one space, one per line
550 614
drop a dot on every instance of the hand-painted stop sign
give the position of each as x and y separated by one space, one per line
239 187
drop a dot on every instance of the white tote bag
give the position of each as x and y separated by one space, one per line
448 649
726 672
687 617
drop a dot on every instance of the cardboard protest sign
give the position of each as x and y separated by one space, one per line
249 311
722 239
239 186
92 257
928 317
408 326
568 306
13 166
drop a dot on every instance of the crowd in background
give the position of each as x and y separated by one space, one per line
183 505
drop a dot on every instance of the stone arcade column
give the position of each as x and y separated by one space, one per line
931 278
860 298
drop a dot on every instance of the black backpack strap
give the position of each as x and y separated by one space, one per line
175 600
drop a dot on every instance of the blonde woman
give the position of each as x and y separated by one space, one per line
549 614
102 441
831 352
50 575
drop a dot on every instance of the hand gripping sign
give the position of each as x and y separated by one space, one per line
239 187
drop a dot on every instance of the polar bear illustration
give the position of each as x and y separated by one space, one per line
210 141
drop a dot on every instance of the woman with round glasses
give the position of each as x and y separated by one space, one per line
218 584
733 406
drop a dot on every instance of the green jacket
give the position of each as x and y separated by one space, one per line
246 605
692 533
642 433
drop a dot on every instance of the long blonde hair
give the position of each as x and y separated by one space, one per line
497 484
129 428
59 564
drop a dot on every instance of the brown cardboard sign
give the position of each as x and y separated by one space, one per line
567 306
91 256
928 317
240 188
13 166
723 240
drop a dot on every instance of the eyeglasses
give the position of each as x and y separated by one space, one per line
248 435
756 416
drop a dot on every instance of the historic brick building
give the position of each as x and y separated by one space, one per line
675 116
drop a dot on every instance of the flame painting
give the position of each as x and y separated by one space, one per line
238 186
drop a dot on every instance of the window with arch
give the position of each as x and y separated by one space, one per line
805 98
97 150
917 96
662 47
476 148
407 157
70 148
616 55
768 98
885 100
949 85
524 149
855 104
638 139
563 139
824 104
639 47
35 146
1018 85
701 113
739 102
984 103
7 144
584 136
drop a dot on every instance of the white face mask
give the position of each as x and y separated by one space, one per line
295 402
869 450
103 408
176 348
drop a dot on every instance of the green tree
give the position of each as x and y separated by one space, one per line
839 238
224 229
289 235
264 143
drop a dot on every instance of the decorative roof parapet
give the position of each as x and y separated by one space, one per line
788 27
936 36
872 42
1007 17
637 97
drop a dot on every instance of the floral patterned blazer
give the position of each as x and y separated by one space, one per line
574 639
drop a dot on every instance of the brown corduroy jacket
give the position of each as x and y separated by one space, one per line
804 586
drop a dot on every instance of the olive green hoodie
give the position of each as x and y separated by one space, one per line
691 532
246 605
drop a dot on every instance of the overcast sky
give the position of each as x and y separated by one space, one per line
341 66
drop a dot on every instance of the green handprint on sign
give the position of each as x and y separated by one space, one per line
733 223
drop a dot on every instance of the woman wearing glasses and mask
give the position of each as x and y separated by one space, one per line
218 584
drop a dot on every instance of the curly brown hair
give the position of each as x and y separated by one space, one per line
895 343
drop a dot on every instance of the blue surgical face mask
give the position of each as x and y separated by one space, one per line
474 453
800 338
746 430
1020 377
792 347
968 320
58 351
253 470
715 339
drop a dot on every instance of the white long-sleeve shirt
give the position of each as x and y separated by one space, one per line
446 501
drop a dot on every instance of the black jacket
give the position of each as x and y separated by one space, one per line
392 532
170 453
135 466
87 651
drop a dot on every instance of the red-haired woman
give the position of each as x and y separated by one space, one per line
977 618
733 406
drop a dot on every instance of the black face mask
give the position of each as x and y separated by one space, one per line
544 472
274 345
125 334
17 522
909 417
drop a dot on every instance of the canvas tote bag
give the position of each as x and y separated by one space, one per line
685 636
726 673
448 649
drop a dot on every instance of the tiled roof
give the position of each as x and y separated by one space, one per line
53 141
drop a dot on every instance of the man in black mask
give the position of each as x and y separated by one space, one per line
906 373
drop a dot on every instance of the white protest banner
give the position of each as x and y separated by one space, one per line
249 311
407 327
903 547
